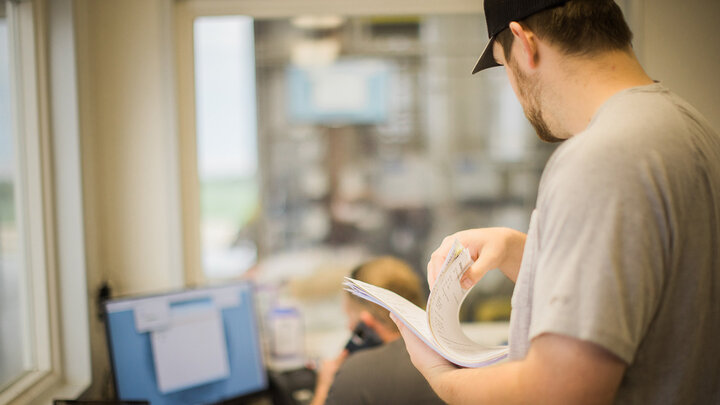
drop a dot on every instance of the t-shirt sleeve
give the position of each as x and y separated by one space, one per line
602 248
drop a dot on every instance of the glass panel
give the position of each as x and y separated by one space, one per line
14 342
226 143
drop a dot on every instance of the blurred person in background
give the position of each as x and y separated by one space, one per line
375 368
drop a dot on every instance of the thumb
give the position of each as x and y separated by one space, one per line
477 270
398 323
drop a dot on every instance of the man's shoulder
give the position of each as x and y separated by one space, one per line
388 353
645 118
636 132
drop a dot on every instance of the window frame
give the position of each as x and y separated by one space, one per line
30 191
185 12
47 217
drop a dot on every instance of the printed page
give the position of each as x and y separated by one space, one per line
444 303
443 310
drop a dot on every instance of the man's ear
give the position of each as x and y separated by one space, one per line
527 41
378 326
369 320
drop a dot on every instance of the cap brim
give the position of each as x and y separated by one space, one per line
487 59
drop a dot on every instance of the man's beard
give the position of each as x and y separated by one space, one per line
530 94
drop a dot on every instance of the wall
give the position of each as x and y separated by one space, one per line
131 148
129 153
680 47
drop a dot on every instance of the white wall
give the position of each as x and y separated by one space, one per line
129 153
131 148
680 46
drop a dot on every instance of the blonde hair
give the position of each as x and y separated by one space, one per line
392 274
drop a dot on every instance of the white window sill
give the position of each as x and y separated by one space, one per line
65 391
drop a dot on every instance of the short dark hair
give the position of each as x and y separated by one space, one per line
579 27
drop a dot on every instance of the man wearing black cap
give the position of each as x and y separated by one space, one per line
617 281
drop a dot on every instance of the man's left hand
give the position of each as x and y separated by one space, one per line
430 364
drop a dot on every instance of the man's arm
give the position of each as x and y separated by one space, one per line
557 370
325 378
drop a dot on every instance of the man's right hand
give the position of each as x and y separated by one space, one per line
490 248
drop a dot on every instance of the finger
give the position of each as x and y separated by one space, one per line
394 319
406 334
485 262
431 276
437 258
398 323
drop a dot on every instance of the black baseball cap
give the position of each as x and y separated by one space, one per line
499 14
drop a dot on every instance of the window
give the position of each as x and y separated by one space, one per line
36 188
15 330
226 143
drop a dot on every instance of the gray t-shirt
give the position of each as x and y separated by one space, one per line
623 248
382 375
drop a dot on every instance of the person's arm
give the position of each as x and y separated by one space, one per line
491 248
325 378
557 370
